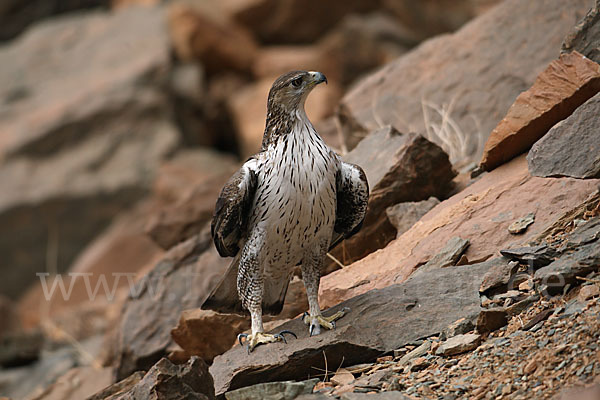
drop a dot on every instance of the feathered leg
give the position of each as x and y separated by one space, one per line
250 287
311 275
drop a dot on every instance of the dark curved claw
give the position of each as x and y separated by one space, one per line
346 309
333 324
311 328
240 336
289 332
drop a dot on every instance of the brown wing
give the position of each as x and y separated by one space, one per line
233 209
352 199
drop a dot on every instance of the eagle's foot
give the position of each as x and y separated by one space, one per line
262 338
316 322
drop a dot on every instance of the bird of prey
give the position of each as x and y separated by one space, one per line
287 205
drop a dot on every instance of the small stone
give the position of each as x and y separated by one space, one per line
520 225
587 292
419 364
491 319
459 344
342 377
526 286
530 367
418 352
458 327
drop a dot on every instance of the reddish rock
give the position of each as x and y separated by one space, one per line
399 167
98 279
571 147
481 213
491 60
491 319
207 334
562 87
216 42
249 108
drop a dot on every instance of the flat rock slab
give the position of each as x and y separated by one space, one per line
288 390
379 321
459 344
571 147
562 87
480 213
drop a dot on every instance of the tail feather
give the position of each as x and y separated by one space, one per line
225 299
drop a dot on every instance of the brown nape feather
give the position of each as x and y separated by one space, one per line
283 100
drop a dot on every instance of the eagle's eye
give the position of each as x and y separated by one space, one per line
297 82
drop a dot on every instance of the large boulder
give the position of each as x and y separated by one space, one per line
402 313
182 280
481 214
164 381
85 123
458 87
571 147
562 87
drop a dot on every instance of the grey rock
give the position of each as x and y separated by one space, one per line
16 16
399 167
459 344
85 123
555 276
522 305
374 396
426 303
520 225
39 375
287 390
415 353
504 56
585 36
555 154
119 387
534 256
167 381
20 348
404 215
449 255
586 232
499 274
458 327
181 280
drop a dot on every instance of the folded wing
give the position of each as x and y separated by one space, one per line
352 199
233 208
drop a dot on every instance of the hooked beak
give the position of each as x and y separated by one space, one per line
318 77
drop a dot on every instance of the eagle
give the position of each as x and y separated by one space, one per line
287 205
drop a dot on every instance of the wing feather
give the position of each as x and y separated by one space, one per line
230 219
352 199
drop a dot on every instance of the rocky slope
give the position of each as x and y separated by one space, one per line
476 274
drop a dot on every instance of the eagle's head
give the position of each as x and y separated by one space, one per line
290 90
